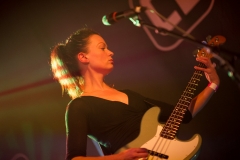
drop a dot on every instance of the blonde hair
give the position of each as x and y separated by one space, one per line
64 63
69 84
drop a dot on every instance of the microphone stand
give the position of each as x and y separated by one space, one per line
225 64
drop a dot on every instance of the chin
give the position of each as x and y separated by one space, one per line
109 71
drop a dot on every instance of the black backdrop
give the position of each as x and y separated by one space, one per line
31 104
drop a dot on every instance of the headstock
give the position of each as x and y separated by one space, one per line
212 42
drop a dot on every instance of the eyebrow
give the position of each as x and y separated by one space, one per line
102 43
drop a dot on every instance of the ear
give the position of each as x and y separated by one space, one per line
82 57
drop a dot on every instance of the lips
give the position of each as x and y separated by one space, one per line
111 60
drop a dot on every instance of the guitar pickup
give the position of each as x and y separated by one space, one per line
160 155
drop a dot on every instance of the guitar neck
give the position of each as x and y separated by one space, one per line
170 128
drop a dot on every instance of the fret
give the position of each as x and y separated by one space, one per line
185 101
199 74
196 79
177 112
172 125
180 108
176 122
193 84
182 105
168 136
191 89
186 97
171 130
181 111
177 116
188 92
174 119
169 133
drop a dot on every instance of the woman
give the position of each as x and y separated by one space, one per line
109 116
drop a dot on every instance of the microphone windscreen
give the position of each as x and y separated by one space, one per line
105 21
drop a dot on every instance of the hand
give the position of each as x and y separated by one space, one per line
133 154
210 71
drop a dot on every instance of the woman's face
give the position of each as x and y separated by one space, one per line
100 58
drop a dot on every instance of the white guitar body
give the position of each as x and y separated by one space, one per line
163 148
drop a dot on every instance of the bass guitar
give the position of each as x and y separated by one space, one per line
159 139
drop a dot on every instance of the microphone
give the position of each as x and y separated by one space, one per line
115 16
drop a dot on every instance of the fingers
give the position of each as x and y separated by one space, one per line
209 71
135 153
141 152
206 61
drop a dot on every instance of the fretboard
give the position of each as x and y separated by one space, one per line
170 128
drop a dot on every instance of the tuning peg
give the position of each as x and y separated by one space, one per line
195 52
204 42
208 38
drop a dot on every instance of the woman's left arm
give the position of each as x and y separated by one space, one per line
202 98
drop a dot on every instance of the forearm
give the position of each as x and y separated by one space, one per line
201 100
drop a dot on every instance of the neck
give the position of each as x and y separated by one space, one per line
94 82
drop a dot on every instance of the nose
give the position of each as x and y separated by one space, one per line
110 53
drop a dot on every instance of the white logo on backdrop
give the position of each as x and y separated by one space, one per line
185 5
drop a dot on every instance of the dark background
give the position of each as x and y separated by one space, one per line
32 106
